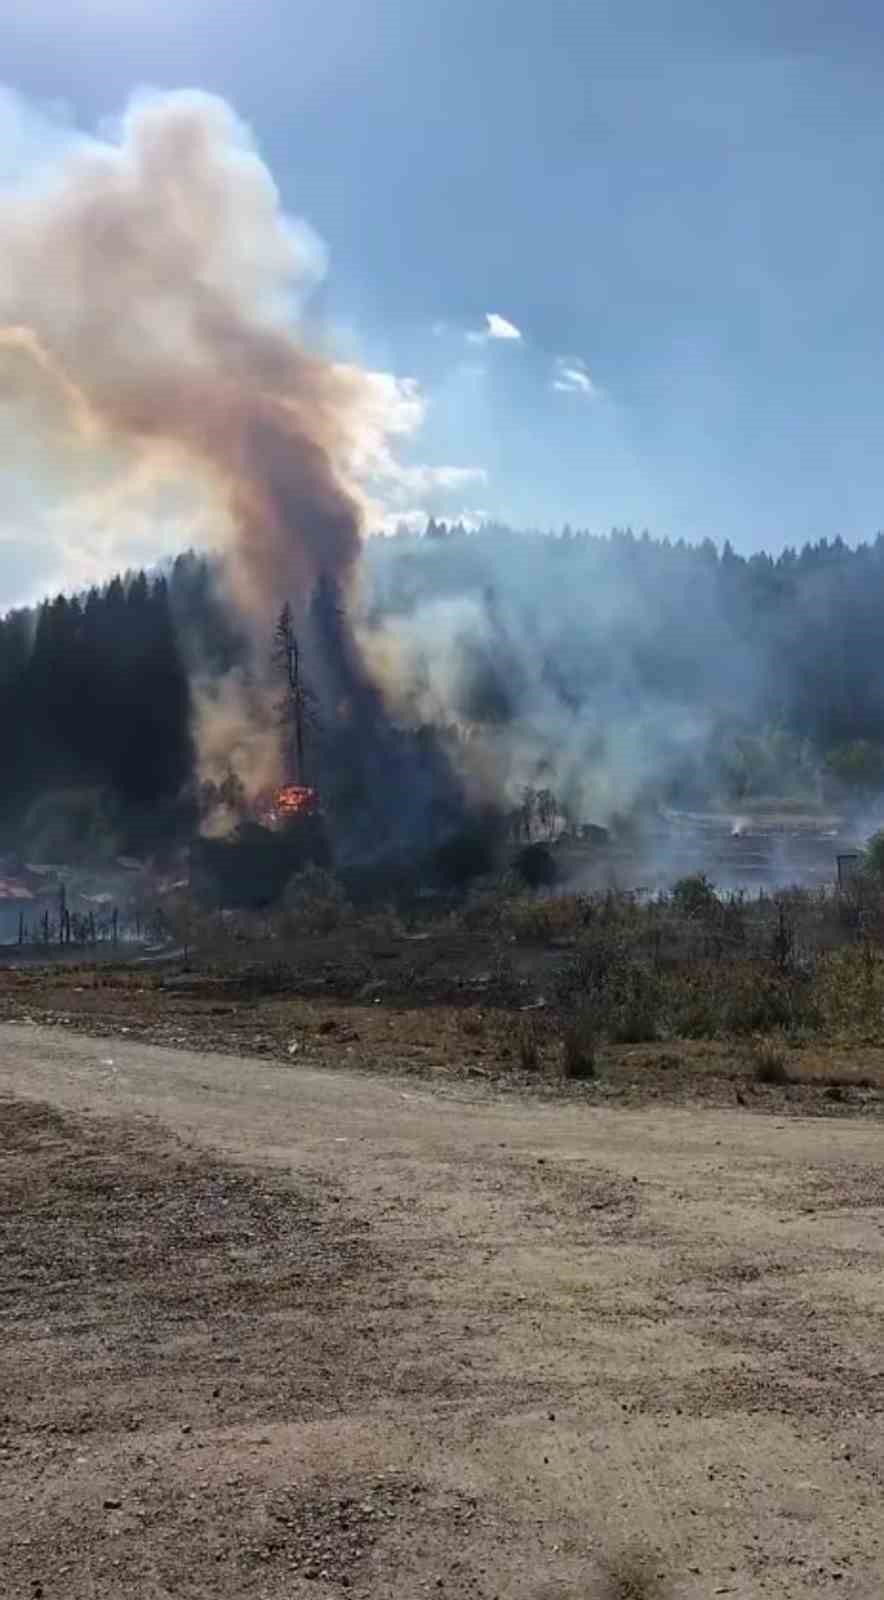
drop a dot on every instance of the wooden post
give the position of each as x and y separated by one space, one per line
21 927
115 921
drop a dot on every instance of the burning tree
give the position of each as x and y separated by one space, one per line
297 714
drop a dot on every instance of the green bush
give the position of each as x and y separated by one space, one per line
695 897
873 859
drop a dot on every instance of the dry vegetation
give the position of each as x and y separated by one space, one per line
771 998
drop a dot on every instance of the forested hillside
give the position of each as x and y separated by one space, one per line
774 664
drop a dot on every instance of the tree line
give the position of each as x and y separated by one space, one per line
781 655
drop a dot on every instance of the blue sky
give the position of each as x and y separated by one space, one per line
679 205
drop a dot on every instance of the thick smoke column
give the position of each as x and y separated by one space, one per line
146 291
148 352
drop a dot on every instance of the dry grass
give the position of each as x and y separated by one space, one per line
529 1050
767 1059
578 1048
721 992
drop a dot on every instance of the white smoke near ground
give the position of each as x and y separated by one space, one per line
236 731
535 655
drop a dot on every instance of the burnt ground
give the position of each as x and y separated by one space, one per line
278 1330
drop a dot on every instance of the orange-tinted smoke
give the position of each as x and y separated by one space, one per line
148 304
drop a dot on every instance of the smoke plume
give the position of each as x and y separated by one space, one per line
152 359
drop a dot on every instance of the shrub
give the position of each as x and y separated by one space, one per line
536 865
591 970
625 990
635 1004
873 858
468 854
783 943
578 1048
769 1062
532 921
529 1055
695 897
314 901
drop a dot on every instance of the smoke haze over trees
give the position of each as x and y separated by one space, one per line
614 672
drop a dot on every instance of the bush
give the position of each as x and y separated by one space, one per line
769 1062
756 1002
247 870
529 1054
636 1007
536 866
621 985
873 859
315 902
465 856
578 1048
532 921
695 897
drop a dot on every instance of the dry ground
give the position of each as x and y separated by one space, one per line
271 1330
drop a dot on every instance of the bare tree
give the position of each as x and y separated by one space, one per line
297 708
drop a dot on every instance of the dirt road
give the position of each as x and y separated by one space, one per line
270 1332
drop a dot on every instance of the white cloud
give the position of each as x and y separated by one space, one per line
396 492
415 518
496 327
394 409
499 328
571 376
399 483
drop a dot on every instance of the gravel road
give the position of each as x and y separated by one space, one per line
268 1331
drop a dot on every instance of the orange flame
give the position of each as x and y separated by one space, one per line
274 806
296 800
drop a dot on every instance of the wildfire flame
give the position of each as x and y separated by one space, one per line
296 800
290 800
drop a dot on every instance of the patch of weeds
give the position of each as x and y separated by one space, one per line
665 1062
768 1061
624 988
635 1022
529 1053
764 1001
472 1025
695 896
783 940
845 1080
536 921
